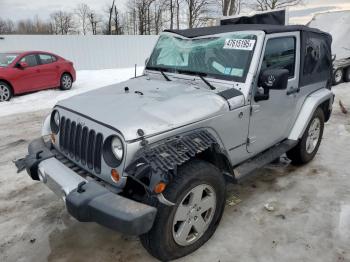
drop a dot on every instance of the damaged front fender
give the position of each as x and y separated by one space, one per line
159 162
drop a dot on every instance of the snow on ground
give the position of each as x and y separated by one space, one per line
86 80
338 25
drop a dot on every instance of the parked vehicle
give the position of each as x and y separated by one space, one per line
23 72
152 156
341 71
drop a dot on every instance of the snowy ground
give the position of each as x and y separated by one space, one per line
311 221
86 80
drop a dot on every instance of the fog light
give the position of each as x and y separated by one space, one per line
160 187
115 175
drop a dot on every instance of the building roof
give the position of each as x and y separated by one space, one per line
268 29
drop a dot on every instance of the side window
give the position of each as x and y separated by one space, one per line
280 54
316 57
30 60
46 59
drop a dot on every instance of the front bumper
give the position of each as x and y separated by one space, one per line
87 201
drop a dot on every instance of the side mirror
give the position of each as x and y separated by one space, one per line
271 79
22 65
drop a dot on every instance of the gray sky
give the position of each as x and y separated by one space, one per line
20 9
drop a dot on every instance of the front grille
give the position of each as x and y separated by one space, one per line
81 144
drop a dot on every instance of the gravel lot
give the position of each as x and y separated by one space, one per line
311 220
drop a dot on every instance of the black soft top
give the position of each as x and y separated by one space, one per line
268 29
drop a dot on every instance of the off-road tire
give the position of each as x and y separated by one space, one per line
299 154
337 79
159 241
347 74
4 87
66 85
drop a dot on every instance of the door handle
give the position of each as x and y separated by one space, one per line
293 90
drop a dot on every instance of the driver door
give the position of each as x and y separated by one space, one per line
271 119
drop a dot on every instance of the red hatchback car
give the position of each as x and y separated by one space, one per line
23 72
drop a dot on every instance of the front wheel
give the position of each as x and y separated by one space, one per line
308 146
66 82
198 192
5 92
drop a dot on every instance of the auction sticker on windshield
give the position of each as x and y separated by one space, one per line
239 44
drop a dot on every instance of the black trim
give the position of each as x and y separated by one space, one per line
91 202
268 29
159 162
230 93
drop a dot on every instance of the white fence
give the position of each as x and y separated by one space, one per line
87 52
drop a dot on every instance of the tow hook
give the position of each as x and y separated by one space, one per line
80 188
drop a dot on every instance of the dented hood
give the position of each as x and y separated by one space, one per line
155 106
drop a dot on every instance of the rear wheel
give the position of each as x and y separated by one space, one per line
347 75
338 76
308 146
66 81
198 192
5 92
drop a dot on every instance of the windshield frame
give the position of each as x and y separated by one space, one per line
9 53
222 77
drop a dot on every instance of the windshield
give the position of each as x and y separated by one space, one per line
224 57
7 59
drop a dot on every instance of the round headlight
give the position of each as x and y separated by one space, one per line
117 148
55 121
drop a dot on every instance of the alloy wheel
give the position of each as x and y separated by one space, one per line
5 93
194 215
66 82
313 135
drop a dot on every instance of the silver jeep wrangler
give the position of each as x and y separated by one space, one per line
151 156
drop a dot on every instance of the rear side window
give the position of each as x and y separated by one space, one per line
30 60
47 59
280 54
316 59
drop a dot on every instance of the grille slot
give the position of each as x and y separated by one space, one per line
81 143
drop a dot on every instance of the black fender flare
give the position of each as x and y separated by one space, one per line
158 162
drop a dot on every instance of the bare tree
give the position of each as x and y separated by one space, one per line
110 11
62 23
94 22
197 12
264 5
118 29
83 11
230 7
6 26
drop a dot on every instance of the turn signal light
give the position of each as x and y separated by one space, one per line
115 175
160 187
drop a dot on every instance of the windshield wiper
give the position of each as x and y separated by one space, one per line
200 75
161 70
165 76
206 82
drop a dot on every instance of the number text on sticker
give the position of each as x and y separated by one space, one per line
241 44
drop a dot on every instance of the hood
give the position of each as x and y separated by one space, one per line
155 106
